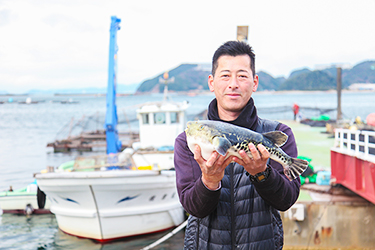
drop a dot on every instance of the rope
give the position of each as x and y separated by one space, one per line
166 237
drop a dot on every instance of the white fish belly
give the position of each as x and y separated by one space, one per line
206 148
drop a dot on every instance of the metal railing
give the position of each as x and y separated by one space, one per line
357 142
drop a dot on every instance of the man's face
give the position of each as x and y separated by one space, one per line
233 85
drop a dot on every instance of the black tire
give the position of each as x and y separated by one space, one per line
41 197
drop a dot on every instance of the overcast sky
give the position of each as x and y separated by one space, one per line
64 44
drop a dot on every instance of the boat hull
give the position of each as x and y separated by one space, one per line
18 204
107 205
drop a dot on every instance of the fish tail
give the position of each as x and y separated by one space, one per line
296 168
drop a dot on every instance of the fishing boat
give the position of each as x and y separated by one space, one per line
122 193
24 200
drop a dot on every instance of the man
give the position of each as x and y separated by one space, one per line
234 203
295 110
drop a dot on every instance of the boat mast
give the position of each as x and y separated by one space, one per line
113 142
166 80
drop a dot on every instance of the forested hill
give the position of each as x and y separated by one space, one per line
193 77
187 77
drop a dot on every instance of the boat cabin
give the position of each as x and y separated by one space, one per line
160 123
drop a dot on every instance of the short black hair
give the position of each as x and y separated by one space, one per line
233 48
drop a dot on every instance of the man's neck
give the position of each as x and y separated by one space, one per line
227 115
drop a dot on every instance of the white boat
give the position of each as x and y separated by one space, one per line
118 195
24 200
138 197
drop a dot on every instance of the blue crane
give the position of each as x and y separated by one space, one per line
113 142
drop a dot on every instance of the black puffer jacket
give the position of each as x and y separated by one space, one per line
241 214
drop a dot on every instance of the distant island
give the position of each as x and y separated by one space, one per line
193 77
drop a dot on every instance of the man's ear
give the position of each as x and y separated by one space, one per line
256 83
211 83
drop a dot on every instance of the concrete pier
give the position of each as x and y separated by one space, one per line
328 217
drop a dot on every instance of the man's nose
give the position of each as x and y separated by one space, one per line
233 84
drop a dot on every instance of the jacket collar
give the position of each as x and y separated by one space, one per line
247 119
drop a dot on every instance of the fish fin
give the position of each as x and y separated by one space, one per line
277 137
221 145
297 167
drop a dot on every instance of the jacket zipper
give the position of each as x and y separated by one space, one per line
233 233
198 239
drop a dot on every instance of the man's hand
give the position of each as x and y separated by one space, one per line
256 164
212 169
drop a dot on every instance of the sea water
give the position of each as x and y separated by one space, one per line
26 129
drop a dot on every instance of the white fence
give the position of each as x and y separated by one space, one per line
358 143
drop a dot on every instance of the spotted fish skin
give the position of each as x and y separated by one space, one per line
228 139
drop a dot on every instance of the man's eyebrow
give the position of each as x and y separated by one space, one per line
243 70
238 71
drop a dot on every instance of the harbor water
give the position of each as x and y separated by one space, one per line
26 129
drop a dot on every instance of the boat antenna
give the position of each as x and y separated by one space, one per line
165 79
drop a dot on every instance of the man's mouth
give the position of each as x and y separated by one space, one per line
233 94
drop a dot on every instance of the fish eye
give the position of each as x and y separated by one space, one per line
201 127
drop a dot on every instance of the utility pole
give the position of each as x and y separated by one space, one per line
339 86
243 33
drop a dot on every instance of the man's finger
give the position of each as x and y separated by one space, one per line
254 151
197 154
245 157
263 151
210 162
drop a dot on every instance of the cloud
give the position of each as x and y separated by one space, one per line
4 17
57 44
